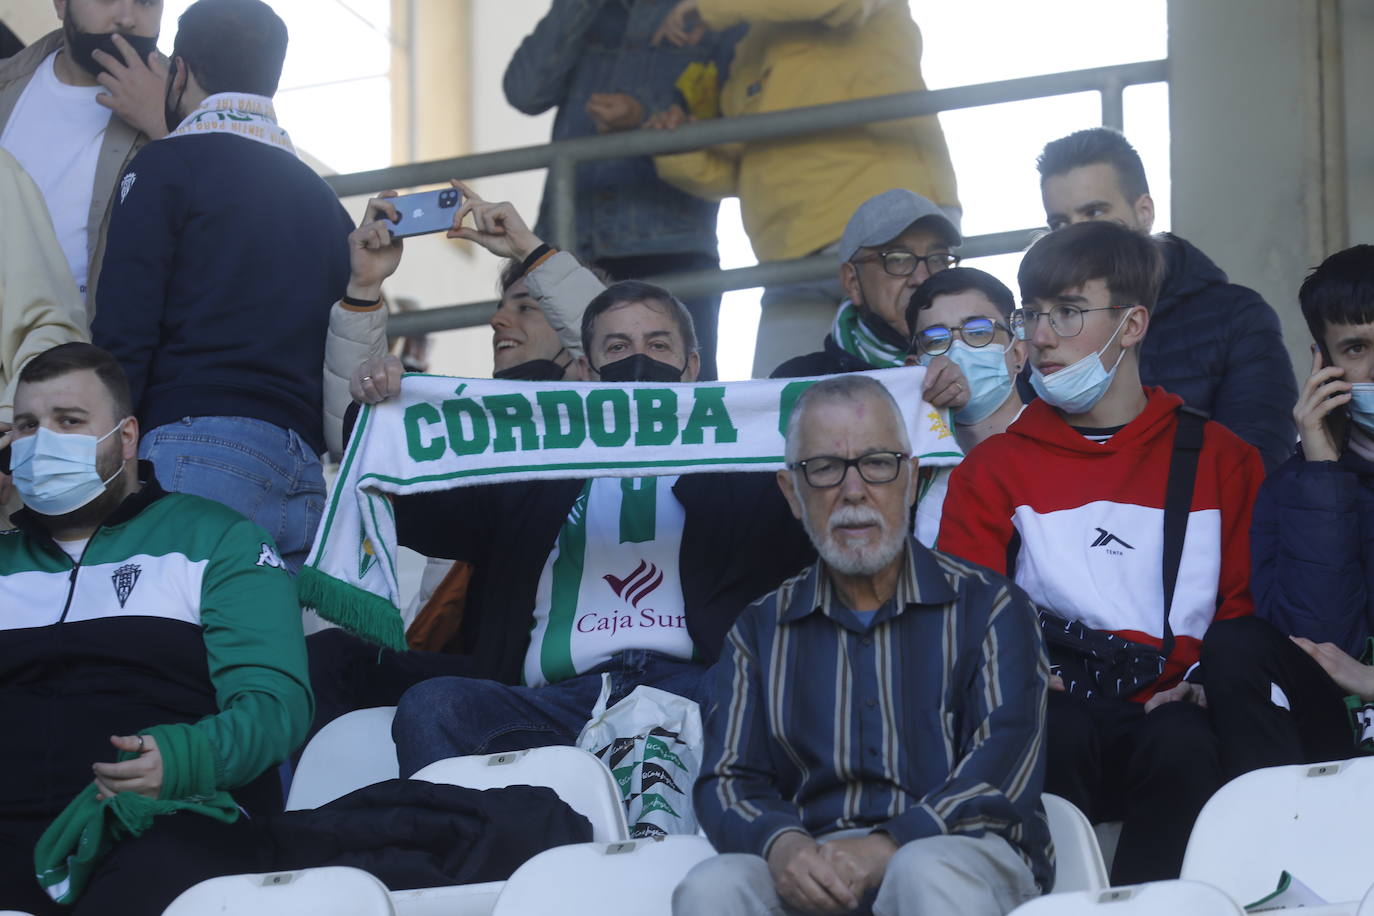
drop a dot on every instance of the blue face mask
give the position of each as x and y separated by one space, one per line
1362 405
1076 388
56 473
989 382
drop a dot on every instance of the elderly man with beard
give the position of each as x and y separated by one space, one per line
874 733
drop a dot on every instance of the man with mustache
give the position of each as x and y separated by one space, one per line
874 727
56 99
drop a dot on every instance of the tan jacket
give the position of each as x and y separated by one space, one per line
117 151
39 305
562 286
796 195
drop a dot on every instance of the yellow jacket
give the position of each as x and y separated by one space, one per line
39 305
797 193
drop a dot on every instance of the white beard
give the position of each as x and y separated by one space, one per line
857 560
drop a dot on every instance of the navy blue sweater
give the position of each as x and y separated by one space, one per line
224 258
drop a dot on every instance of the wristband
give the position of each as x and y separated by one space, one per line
360 303
532 260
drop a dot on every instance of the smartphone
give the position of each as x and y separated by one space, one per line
425 212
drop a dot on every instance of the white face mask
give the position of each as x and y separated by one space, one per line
1362 405
989 382
1076 388
56 473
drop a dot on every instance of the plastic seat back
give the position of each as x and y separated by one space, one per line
1185 898
353 751
579 779
633 878
1078 860
335 890
1309 820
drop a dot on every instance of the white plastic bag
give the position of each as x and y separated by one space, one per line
651 741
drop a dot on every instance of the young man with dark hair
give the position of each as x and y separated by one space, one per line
1084 500
226 254
539 550
150 645
1276 685
964 315
1213 343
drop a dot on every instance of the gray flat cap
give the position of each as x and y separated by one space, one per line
884 217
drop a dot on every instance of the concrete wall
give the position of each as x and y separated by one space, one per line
29 19
1259 118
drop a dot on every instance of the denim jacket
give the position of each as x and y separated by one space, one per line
583 47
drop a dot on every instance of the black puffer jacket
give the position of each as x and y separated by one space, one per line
1219 347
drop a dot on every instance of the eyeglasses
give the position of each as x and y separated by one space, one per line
1065 320
902 263
825 471
975 331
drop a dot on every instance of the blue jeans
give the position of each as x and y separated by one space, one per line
458 716
262 471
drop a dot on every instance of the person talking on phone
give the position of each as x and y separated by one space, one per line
1313 556
226 253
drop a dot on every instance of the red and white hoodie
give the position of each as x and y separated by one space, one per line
1091 520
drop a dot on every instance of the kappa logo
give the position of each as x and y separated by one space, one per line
1105 539
637 586
126 184
268 557
124 579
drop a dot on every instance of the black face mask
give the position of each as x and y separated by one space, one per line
536 370
83 45
640 368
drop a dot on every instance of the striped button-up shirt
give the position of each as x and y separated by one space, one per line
931 720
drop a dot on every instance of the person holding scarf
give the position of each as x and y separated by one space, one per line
226 253
893 243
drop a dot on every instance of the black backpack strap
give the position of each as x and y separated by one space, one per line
1178 503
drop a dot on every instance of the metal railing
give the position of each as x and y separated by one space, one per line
561 159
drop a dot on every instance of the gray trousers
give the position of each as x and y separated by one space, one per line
795 318
935 876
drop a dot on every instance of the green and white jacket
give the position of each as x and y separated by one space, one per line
178 611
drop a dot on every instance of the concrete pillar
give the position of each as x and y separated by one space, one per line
1258 152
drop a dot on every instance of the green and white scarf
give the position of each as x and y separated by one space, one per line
239 114
444 432
856 338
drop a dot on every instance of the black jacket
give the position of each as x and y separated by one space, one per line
1220 348
829 360
224 258
739 542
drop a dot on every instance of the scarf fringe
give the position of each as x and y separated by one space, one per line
360 612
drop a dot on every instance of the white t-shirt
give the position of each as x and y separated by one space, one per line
55 131
74 549
612 581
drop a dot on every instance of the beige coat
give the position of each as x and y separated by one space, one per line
117 151
39 304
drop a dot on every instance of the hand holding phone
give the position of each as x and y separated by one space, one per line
1324 391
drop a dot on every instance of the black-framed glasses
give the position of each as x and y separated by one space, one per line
825 471
1065 320
976 332
902 263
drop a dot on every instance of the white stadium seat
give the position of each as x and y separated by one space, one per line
579 778
1184 898
633 878
337 891
353 751
1311 821
455 900
1078 861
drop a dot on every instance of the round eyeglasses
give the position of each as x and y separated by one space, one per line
976 332
1065 320
825 471
902 263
